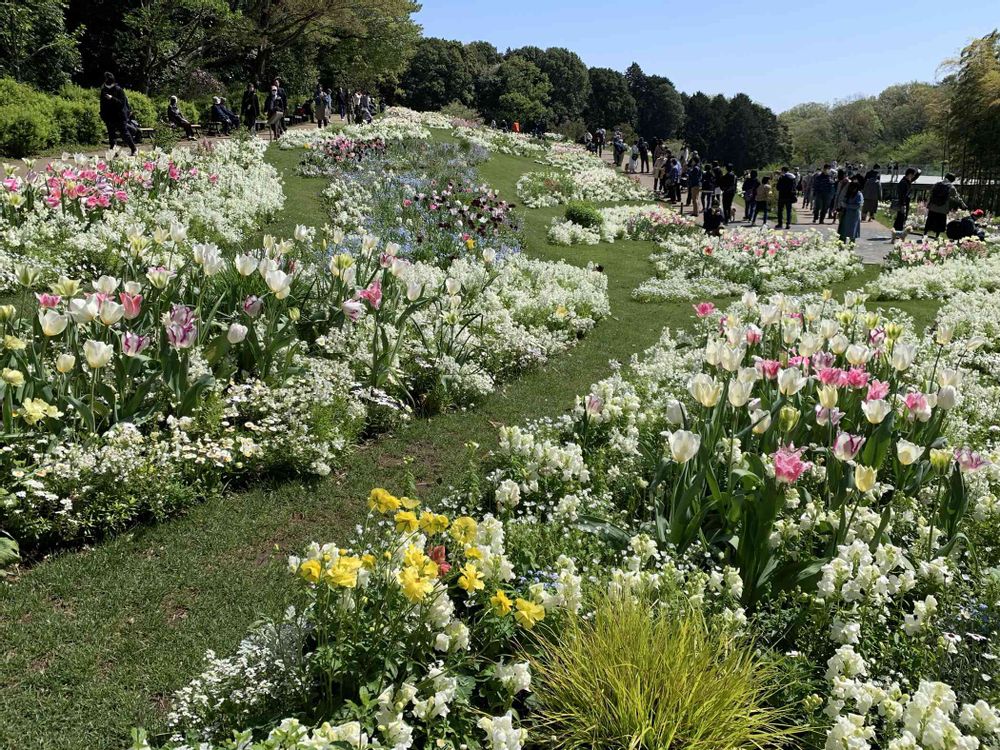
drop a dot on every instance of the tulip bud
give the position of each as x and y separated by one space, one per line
828 396
941 459
7 313
864 478
236 333
294 314
788 417
65 363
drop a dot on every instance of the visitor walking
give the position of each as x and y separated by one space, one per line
762 200
643 156
321 107
728 187
808 194
274 112
849 209
115 112
904 192
694 185
707 189
749 190
785 188
840 189
283 99
944 196
822 191
599 137
872 193
633 162
250 107
675 180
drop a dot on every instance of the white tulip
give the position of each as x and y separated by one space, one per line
52 323
750 298
760 420
111 312
876 411
65 363
83 310
675 412
178 233
236 333
106 284
947 397
902 356
705 389
279 282
769 315
414 290
739 392
839 344
858 354
301 233
97 353
790 381
684 445
907 452
454 286
731 358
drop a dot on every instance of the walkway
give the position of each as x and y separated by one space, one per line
873 245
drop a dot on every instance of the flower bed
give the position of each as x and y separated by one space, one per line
696 266
599 184
83 214
938 269
790 471
646 223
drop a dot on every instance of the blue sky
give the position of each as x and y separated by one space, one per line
780 53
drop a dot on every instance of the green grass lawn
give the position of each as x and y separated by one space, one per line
95 641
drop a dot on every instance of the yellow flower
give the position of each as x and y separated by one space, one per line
864 477
473 553
345 572
415 586
368 561
463 530
431 569
382 501
35 410
12 377
562 311
433 523
941 459
470 244
311 570
13 343
414 557
406 520
471 579
528 614
409 503
501 603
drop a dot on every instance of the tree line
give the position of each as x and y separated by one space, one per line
554 86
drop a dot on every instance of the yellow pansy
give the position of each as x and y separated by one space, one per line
311 570
409 503
501 603
415 586
528 614
406 520
382 501
471 579
344 573
470 244
463 530
433 523
414 557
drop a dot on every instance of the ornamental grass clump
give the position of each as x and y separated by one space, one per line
639 677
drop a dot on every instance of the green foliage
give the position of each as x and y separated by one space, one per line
461 111
143 109
665 680
437 75
659 106
26 123
610 99
35 46
584 213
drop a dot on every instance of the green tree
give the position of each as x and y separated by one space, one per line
610 101
570 82
35 46
437 75
810 129
857 129
702 124
525 92
660 112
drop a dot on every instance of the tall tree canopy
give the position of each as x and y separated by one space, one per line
35 46
437 75
610 103
659 110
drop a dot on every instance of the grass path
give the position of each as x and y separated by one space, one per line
94 642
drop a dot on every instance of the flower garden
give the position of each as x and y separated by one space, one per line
356 472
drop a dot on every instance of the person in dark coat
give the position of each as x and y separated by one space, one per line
115 112
175 118
904 193
728 185
785 188
223 115
250 107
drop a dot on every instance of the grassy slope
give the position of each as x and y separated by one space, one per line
94 642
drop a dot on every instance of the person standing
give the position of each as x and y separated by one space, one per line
839 190
274 112
849 226
707 188
872 192
822 188
342 102
250 107
749 190
944 196
643 155
762 200
599 136
785 188
728 186
808 196
904 192
321 107
694 185
633 162
283 100
115 112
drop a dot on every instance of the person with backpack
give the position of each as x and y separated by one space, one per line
943 198
904 192
785 188
872 192
115 112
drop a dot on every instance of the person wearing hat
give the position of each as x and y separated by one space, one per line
223 115
274 112
175 118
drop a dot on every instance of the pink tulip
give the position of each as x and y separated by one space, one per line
252 306
132 304
846 446
594 404
832 376
768 368
877 390
826 417
916 402
788 464
48 300
754 335
373 294
353 309
857 377
703 309
970 461
133 343
182 331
